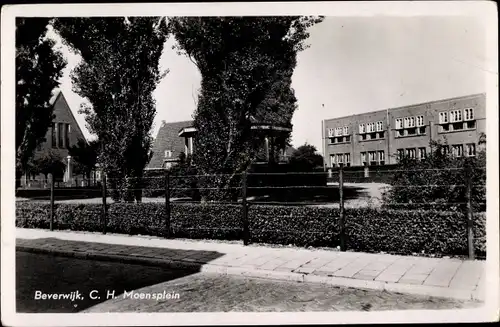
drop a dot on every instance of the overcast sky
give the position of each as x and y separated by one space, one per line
353 65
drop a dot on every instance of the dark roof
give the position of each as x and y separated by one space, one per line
168 139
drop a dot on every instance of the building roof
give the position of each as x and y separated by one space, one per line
168 139
412 105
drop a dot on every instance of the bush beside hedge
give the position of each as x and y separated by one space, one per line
367 229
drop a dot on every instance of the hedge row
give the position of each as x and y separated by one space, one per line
367 229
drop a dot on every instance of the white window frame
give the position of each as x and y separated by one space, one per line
456 116
372 155
347 157
399 123
362 129
169 152
443 117
370 128
411 122
345 130
380 126
406 122
381 155
420 151
457 150
338 131
468 114
400 153
331 132
411 153
363 157
420 121
468 146
340 158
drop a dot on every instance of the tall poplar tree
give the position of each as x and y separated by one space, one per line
246 64
38 69
117 75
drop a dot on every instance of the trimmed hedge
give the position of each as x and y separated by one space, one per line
302 226
367 229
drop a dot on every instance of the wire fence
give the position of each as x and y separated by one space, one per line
331 189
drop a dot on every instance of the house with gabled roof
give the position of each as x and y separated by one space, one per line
61 135
174 138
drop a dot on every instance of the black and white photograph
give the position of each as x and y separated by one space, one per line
249 163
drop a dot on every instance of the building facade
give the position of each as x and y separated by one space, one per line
63 133
379 137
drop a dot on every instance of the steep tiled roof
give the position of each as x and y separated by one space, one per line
168 139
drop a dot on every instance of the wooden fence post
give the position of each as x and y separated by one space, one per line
51 202
244 209
341 210
167 204
470 221
104 206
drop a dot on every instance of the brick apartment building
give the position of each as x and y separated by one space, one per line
379 137
63 133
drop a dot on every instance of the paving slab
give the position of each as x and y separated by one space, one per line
428 276
467 276
443 273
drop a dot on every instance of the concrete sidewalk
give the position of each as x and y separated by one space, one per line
450 278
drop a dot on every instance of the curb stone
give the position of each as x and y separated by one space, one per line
441 292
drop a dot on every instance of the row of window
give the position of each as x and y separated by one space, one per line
373 157
340 159
412 131
371 127
409 122
338 131
378 157
454 116
457 150
60 133
445 117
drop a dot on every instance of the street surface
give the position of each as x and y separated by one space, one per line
204 292
179 291
51 274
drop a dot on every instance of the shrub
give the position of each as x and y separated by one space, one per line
137 218
367 229
216 221
406 232
32 214
154 183
300 226
441 178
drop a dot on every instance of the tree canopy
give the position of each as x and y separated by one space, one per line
117 75
306 158
38 69
246 64
85 155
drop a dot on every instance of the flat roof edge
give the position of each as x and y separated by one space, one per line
411 105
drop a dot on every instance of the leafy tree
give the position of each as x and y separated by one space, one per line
246 64
85 155
305 158
49 163
117 75
38 69
439 181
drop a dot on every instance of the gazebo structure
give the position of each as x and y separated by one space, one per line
270 131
